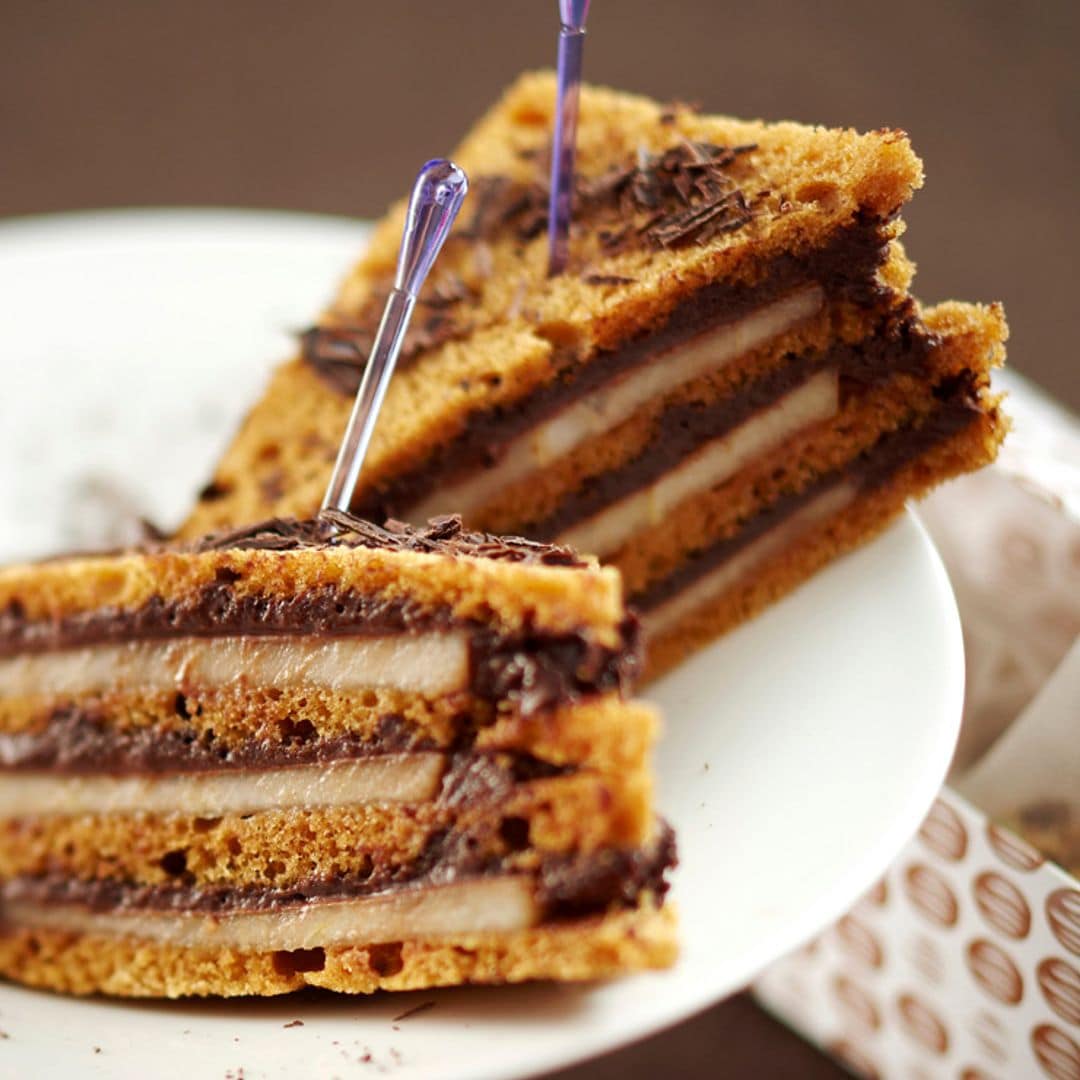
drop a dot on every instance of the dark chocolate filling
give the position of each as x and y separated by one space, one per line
78 741
683 429
534 669
567 886
846 268
575 885
874 467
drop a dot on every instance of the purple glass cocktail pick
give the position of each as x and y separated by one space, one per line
436 198
572 16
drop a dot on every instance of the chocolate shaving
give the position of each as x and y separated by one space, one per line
339 351
673 108
727 213
612 240
694 197
608 279
451 289
414 1011
336 528
690 175
683 195
501 202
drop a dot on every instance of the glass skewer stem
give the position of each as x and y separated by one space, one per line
437 196
572 16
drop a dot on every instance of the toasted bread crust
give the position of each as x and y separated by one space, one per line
572 951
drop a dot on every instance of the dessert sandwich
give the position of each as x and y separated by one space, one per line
728 386
324 753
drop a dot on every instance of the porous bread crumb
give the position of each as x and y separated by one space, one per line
585 949
603 731
280 848
502 595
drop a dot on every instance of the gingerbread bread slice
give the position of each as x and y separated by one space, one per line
324 753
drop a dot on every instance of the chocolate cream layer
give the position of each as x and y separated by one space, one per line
696 446
708 573
77 764
613 384
325 637
448 889
78 741
79 738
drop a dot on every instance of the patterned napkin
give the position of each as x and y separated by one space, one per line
961 962
1010 539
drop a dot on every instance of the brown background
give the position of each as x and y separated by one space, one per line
330 105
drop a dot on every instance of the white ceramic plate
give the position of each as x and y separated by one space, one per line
800 752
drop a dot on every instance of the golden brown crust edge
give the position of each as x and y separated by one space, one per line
596 948
499 594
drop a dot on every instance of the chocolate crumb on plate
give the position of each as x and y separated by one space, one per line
415 1011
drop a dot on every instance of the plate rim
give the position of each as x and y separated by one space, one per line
91 225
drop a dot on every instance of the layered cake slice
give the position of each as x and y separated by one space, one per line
324 753
728 386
